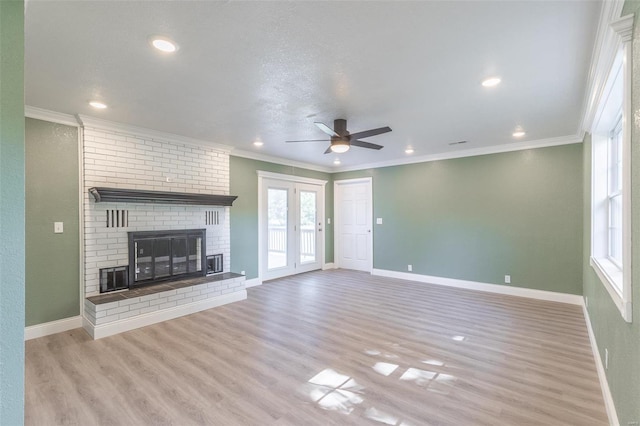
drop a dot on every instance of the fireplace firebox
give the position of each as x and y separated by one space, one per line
157 256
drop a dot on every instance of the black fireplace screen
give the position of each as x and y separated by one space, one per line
165 255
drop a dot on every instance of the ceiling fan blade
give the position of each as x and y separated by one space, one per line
328 130
310 140
328 151
369 133
364 144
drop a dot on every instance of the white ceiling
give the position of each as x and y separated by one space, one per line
268 70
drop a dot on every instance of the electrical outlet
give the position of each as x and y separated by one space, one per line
328 221
409 268
507 279
606 358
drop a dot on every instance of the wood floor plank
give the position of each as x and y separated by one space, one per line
328 347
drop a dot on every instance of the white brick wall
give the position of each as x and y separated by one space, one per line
118 160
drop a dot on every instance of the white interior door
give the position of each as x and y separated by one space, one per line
292 224
353 236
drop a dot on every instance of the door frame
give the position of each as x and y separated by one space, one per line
337 243
262 220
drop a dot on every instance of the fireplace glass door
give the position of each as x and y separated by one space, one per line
166 255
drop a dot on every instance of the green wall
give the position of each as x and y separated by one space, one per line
52 278
244 213
11 212
611 331
481 218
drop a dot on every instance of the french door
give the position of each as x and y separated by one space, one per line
291 227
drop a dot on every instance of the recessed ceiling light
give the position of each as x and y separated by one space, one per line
336 162
409 150
519 132
258 143
97 105
164 44
491 82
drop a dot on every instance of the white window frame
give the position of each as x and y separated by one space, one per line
614 166
614 109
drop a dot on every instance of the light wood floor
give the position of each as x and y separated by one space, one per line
332 347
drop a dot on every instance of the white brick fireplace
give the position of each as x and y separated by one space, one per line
123 157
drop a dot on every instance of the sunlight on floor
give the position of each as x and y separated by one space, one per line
385 368
334 391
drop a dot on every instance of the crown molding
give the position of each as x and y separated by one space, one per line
282 161
290 178
495 149
101 124
51 116
144 133
624 27
602 57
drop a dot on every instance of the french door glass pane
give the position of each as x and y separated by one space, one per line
277 227
308 215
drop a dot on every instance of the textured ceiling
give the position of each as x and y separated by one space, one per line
268 70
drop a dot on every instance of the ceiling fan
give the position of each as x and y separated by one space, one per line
341 140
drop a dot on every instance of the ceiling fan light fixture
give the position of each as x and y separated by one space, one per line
340 146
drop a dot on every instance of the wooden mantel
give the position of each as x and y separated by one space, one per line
117 195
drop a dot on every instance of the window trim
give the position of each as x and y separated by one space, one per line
616 280
617 130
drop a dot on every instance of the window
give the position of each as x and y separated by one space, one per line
611 182
614 196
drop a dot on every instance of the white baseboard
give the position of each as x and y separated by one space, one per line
120 326
602 376
252 282
573 299
328 266
53 327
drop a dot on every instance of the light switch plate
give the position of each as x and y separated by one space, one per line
58 227
379 221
